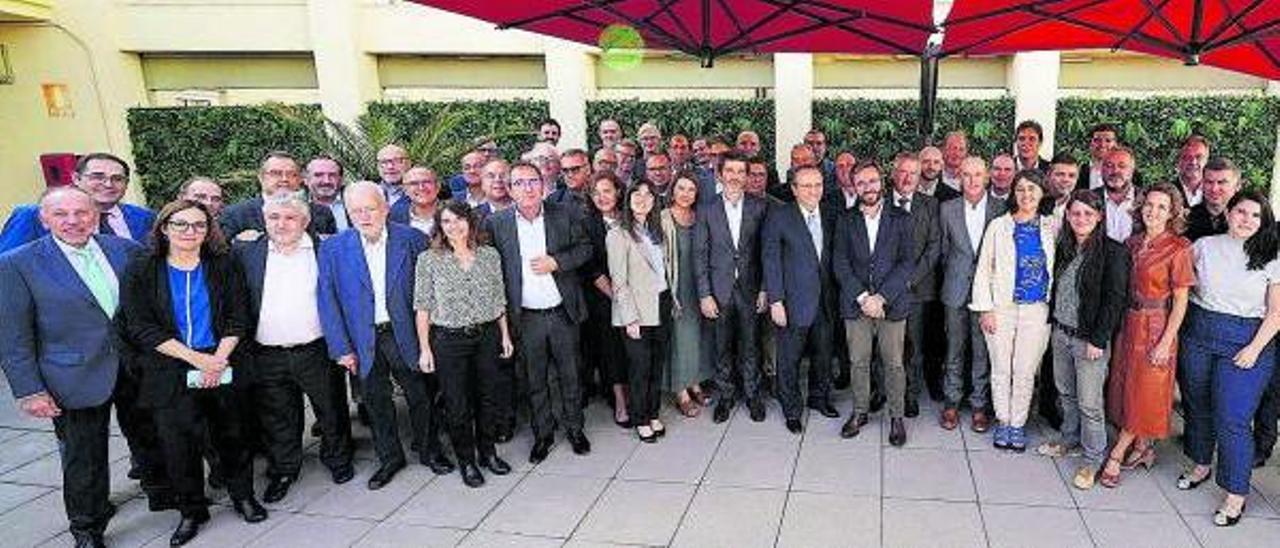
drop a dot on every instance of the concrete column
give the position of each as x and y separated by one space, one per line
347 76
571 81
792 103
1273 89
1033 81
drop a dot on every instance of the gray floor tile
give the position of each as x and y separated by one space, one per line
26 448
446 502
1130 529
925 523
133 525
225 528
13 496
609 450
545 505
923 432
34 522
314 532
814 520
373 504
754 462
731 517
927 474
490 539
45 471
838 468
682 456
1018 479
402 535
820 429
10 433
1039 526
772 427
1249 533
1205 499
633 512
1138 492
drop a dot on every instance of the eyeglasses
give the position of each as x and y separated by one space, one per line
526 183
100 177
573 169
184 226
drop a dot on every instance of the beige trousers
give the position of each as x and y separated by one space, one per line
1016 348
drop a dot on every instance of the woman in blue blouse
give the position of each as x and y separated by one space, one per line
184 307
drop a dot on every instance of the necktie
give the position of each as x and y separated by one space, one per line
815 232
93 276
904 203
104 225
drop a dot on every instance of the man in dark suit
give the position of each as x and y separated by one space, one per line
931 165
105 178
961 225
63 356
873 262
923 284
1029 135
366 314
576 168
282 273
542 247
796 256
726 269
278 172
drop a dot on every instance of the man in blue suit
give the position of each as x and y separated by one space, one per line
366 314
62 356
873 262
796 256
105 178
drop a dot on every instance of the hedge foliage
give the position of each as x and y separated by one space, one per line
879 129
513 123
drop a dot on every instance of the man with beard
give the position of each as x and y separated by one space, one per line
323 178
931 175
549 131
1191 159
393 161
1119 193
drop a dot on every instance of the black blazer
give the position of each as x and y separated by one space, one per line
1103 288
147 311
943 192
793 273
567 243
247 215
599 263
927 235
716 259
884 272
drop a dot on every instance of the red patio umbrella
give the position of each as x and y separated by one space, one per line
711 28
1239 35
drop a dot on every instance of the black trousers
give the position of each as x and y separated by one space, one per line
735 343
794 343
283 375
86 484
647 360
1264 419
181 424
139 429
915 350
549 346
467 368
419 394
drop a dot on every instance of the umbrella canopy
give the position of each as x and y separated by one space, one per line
1239 35
711 28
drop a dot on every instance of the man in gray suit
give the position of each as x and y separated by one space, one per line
62 355
961 225
923 285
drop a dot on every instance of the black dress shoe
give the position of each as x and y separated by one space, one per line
439 464
383 476
249 509
756 407
494 464
187 529
85 539
793 426
540 449
136 472
504 434
911 409
471 475
342 475
579 442
277 489
723 409
1260 460
897 432
825 409
877 402
853 426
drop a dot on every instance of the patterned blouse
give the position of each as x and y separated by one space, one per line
458 297
1031 283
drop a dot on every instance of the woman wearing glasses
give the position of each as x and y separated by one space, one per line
184 307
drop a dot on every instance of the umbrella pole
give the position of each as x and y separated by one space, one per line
928 95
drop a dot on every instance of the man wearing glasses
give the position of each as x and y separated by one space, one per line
277 174
393 162
576 171
104 177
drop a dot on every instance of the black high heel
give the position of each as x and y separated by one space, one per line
1221 519
1185 483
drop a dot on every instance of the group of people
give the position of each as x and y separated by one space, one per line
683 267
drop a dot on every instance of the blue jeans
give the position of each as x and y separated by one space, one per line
1219 398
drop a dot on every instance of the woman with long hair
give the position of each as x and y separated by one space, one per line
641 303
1228 353
184 305
687 367
1140 389
604 350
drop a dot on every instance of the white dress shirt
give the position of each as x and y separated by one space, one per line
72 256
873 227
1095 176
539 291
1120 217
115 219
975 221
897 200
426 226
290 313
1193 198
850 200
952 181
375 255
339 215
734 213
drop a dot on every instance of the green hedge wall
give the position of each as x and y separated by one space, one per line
494 118
1240 128
880 129
693 117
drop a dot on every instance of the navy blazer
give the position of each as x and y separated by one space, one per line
247 215
252 257
794 274
346 295
885 272
567 243
55 337
24 225
716 259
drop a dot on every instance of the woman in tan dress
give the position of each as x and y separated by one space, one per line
1140 392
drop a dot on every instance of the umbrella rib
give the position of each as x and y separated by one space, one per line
1266 52
1164 21
665 36
778 11
1233 21
733 17
562 12
1151 12
838 23
1140 36
665 9
1246 34
871 15
997 13
601 24
1030 9
793 32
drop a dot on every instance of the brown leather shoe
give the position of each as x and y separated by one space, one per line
950 419
981 423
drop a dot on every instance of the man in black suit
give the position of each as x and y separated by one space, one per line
873 262
278 172
542 246
931 175
726 269
796 257
282 272
923 284
576 167
1030 135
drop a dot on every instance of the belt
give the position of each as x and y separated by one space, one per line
1137 302
464 331
382 328
291 347
551 310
